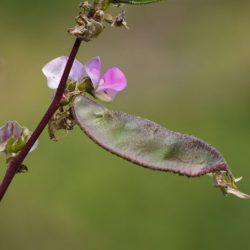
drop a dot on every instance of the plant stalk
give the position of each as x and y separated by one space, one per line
16 162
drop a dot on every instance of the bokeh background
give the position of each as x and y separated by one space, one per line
187 63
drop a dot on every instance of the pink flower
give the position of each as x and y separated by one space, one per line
105 88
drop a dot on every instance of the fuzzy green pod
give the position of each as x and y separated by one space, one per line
103 4
138 2
144 142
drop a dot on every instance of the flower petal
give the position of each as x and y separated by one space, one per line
113 79
106 95
93 69
54 70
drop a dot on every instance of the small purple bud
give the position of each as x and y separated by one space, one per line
13 137
10 129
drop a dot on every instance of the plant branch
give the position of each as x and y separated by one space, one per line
15 163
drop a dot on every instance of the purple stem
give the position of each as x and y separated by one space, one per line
14 164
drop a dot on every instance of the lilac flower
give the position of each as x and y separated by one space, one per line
104 88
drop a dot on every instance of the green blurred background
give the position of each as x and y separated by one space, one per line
187 64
